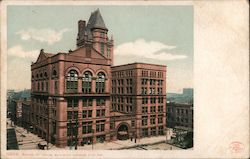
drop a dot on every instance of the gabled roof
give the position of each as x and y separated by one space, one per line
49 54
42 56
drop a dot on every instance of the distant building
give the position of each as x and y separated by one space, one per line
26 114
185 98
188 92
179 115
17 112
14 105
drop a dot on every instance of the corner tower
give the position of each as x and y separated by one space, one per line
95 33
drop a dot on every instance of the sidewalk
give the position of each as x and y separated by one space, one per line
127 144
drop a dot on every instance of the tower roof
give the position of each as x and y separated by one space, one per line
96 20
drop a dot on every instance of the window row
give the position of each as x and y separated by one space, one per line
152 109
72 128
151 82
127 100
72 82
152 131
120 82
122 108
86 102
120 90
73 115
155 74
127 73
152 120
152 91
43 75
152 100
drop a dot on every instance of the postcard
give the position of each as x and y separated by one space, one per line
123 79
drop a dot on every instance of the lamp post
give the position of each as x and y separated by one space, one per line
92 139
48 124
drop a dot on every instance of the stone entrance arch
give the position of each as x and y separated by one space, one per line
123 131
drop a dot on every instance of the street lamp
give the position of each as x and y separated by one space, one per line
92 139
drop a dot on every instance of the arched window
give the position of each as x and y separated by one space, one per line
100 82
54 73
45 75
38 88
72 78
86 82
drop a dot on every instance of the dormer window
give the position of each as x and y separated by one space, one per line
102 35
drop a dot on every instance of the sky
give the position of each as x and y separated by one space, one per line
144 33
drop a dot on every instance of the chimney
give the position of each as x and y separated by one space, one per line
81 26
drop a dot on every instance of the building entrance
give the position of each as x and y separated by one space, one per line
122 132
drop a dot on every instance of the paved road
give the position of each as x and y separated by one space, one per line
26 141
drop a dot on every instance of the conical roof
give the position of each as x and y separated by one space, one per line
96 20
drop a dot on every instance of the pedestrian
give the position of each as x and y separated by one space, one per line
135 140
131 139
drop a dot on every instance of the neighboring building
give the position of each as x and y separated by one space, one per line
138 100
15 105
17 112
26 114
71 92
180 115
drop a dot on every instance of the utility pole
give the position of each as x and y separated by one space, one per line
48 102
71 124
92 139
76 134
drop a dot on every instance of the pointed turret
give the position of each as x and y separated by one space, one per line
95 34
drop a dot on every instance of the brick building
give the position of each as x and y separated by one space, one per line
26 114
71 92
138 100
179 114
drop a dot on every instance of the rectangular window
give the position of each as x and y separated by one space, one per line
152 109
84 114
145 109
87 102
160 130
47 86
153 131
102 48
72 103
144 132
100 102
132 123
160 119
108 52
89 113
100 125
152 119
72 115
100 113
144 120
112 125
160 109
86 127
